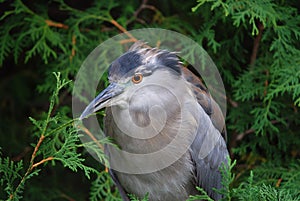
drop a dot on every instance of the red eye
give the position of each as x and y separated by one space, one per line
137 78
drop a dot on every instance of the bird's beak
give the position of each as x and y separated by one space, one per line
103 99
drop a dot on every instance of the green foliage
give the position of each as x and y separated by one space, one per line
135 198
259 185
251 190
265 89
103 188
10 172
56 143
227 179
255 45
202 195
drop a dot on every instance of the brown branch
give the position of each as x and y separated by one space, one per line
140 20
41 139
73 52
36 149
50 23
158 43
278 182
73 43
150 8
249 131
41 162
121 28
242 135
232 102
256 43
91 136
114 22
136 13
142 6
125 41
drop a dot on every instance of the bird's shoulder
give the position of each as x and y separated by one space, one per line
206 101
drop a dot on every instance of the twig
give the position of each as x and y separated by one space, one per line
158 43
73 47
50 23
114 22
73 43
41 162
278 182
121 28
36 149
30 168
242 135
125 41
256 43
142 6
33 165
136 13
232 102
150 7
249 131
91 136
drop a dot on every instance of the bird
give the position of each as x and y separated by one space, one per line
152 98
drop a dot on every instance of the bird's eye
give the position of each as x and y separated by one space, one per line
137 78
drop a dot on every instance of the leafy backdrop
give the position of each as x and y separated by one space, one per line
255 45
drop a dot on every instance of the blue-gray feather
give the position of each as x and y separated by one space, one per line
153 58
208 174
124 64
207 158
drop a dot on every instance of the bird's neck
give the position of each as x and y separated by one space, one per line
151 131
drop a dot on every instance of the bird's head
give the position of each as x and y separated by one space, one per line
137 76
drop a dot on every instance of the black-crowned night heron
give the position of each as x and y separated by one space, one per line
152 101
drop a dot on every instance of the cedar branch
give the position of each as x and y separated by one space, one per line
91 136
50 23
36 149
121 28
41 162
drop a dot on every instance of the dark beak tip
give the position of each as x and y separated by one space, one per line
88 110
111 91
81 117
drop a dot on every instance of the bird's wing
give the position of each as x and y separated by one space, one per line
118 185
208 150
206 101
